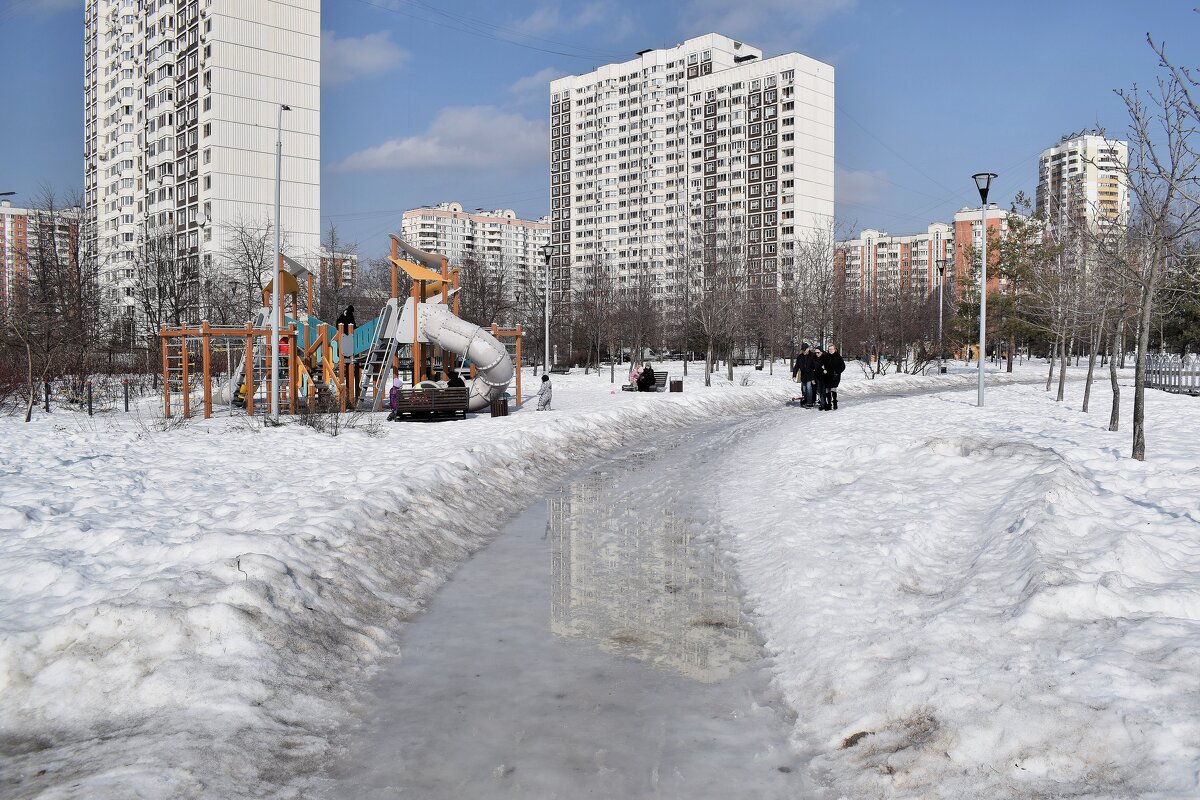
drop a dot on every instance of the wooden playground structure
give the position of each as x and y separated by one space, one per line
321 366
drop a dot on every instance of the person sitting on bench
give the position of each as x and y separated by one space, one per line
646 381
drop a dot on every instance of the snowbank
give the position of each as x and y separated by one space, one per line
981 603
184 612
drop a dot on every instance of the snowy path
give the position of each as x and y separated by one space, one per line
596 648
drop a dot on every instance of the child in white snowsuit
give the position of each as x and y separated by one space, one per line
544 394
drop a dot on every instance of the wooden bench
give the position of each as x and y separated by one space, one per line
660 383
431 403
560 369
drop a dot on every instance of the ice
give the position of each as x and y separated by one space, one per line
596 648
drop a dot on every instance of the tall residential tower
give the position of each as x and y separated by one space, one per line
181 99
704 148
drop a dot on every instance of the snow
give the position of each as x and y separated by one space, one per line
185 611
984 603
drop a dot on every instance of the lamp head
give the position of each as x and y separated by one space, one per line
983 182
546 251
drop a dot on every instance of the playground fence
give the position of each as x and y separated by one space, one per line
1174 374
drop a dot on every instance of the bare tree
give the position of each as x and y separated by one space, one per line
1164 182
53 318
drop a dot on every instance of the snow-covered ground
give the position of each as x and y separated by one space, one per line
981 603
184 612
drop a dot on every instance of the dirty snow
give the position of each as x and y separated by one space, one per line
186 612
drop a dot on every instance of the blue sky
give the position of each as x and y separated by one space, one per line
434 100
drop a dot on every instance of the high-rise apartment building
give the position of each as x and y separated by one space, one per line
704 148
968 240
486 237
877 261
24 233
1082 182
181 104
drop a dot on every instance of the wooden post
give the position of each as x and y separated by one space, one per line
519 398
352 369
187 395
418 294
206 364
249 371
395 273
309 284
343 386
293 359
165 342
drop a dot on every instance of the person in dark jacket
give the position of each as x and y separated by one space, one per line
454 380
820 387
646 381
806 368
833 365
345 319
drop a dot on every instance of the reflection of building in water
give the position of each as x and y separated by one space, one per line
634 582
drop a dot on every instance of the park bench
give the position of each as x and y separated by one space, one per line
660 383
432 403
560 369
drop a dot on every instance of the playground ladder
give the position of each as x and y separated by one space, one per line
373 385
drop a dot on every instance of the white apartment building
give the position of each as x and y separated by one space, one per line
181 105
487 237
705 147
1082 180
876 261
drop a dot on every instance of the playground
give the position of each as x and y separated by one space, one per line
412 343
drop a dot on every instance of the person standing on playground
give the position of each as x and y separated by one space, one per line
833 365
544 393
345 319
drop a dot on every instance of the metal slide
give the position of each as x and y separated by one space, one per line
493 366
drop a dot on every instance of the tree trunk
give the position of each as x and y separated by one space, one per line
1062 370
1139 368
1093 340
1114 418
1012 346
729 362
1050 375
29 377
708 364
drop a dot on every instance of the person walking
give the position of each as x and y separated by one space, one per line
820 384
806 366
544 394
833 365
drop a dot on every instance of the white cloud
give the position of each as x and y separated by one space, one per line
460 138
348 57
773 24
537 83
550 17
860 187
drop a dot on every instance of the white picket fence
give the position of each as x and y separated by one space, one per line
1173 374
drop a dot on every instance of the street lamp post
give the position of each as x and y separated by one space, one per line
983 182
941 268
547 250
277 268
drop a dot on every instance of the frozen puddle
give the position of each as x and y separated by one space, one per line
595 649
